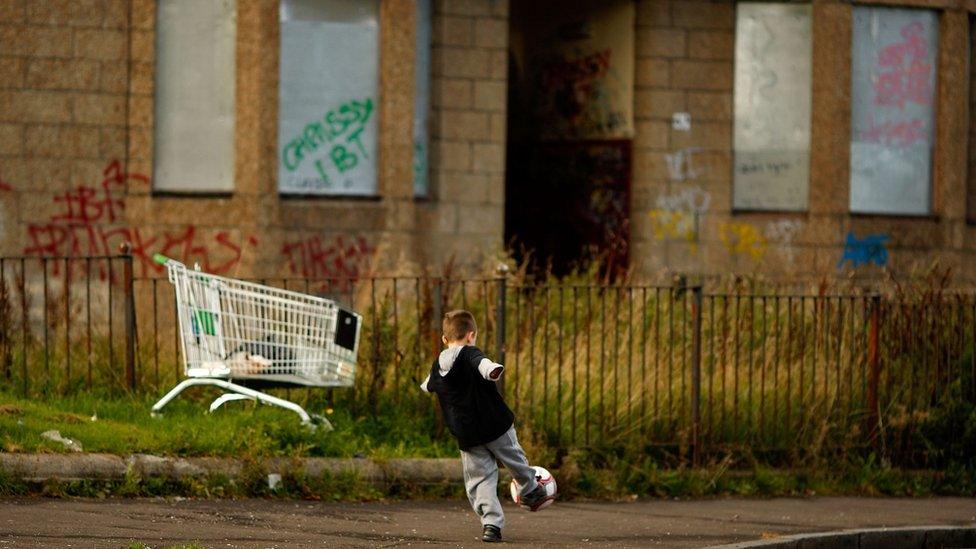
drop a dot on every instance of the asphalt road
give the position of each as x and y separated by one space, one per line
37 522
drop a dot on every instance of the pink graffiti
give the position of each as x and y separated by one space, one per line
896 133
87 224
343 258
905 74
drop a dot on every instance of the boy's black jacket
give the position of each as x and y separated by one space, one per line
473 409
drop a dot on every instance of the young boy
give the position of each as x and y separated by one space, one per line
464 382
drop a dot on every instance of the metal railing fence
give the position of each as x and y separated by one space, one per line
672 370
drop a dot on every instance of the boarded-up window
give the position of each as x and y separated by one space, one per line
421 101
194 109
328 97
772 106
893 63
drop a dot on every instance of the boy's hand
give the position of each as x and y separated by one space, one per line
496 373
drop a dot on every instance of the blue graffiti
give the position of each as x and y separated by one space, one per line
864 251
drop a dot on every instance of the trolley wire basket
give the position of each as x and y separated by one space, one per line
257 335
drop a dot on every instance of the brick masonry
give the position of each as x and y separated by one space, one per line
684 61
464 219
76 149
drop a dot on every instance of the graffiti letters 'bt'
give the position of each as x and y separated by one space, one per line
329 151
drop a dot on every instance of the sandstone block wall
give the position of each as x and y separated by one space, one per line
76 146
685 53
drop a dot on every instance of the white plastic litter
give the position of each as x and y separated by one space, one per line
274 479
69 443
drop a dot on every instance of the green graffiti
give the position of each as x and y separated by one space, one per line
419 168
343 159
321 169
345 122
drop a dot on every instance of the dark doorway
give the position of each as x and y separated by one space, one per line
568 204
568 170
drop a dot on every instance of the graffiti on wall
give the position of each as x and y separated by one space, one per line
575 100
340 258
872 249
89 222
747 240
784 232
681 165
894 57
904 70
577 70
328 80
743 239
678 216
339 135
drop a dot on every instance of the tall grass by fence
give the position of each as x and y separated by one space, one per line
676 371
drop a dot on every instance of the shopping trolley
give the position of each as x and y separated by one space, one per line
240 336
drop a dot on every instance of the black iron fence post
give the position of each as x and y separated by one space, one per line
437 316
874 370
696 326
500 321
436 323
130 317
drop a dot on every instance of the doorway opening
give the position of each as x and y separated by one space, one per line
570 129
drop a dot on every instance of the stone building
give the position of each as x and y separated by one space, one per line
334 138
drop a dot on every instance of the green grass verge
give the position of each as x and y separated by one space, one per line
620 484
243 430
122 425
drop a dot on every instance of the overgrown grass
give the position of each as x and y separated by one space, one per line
603 471
603 369
122 425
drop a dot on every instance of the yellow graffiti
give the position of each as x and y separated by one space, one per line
674 225
743 239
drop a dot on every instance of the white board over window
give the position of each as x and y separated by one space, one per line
194 107
327 129
773 70
893 71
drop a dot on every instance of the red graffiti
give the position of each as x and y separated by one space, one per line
574 83
4 186
87 224
896 133
582 70
341 259
906 73
87 205
190 249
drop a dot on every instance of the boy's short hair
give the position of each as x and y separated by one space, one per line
457 324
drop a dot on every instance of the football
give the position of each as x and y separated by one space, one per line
545 479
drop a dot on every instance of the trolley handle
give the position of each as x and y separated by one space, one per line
171 265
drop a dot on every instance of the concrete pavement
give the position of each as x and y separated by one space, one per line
38 522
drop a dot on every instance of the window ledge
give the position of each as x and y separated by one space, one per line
292 197
189 194
896 217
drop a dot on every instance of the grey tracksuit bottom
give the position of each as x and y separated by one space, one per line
480 465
